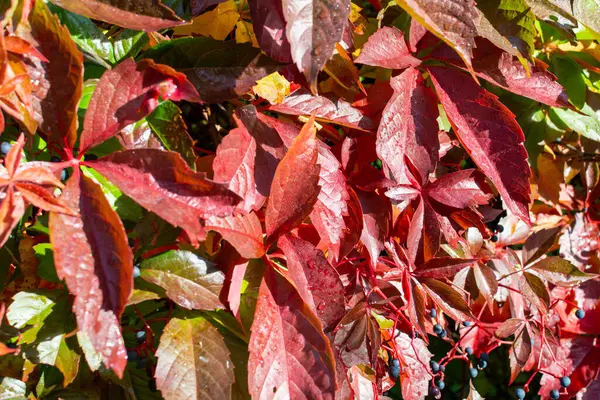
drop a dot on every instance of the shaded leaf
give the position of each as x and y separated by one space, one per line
96 264
490 134
295 185
519 353
216 23
193 361
383 43
244 232
377 214
509 327
538 244
189 280
289 354
269 24
448 299
442 267
535 291
162 182
143 15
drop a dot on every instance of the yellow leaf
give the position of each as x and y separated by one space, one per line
244 33
273 88
217 23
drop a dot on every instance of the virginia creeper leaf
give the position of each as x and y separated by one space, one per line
162 182
442 267
538 244
295 185
559 271
383 43
269 28
448 299
193 361
489 133
377 215
415 358
460 189
142 15
189 280
244 232
289 354
127 94
97 265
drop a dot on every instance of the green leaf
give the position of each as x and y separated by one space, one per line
45 256
169 126
86 94
570 76
193 361
189 280
585 125
58 351
514 20
86 34
29 308
122 204
129 43
559 271
12 389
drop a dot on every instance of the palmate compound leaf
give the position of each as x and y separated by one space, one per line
490 134
142 15
313 27
128 93
295 188
290 357
453 21
161 182
193 361
408 128
96 263
387 48
189 280
57 83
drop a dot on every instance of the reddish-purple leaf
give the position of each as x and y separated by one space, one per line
415 358
535 291
57 84
424 234
193 361
377 215
460 189
313 27
519 354
290 357
128 93
139 15
244 232
269 28
408 128
92 255
501 69
442 267
490 134
295 186
448 299
538 244
387 48
337 111
509 327
315 279
162 182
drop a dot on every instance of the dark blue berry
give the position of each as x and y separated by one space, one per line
469 351
435 391
484 356
395 362
136 271
394 372
437 329
55 159
473 372
565 381
435 367
580 313
494 238
482 364
467 323
555 394
5 147
442 368
11 345
132 356
140 336
433 313
441 385
499 228
520 393
443 333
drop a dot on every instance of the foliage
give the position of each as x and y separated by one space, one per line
299 199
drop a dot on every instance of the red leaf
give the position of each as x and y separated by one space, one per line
244 232
133 14
489 133
424 234
538 244
295 186
315 279
415 358
12 209
128 93
387 48
460 189
501 69
442 267
162 182
313 27
269 28
377 215
338 111
448 299
290 357
97 265
57 83
409 128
